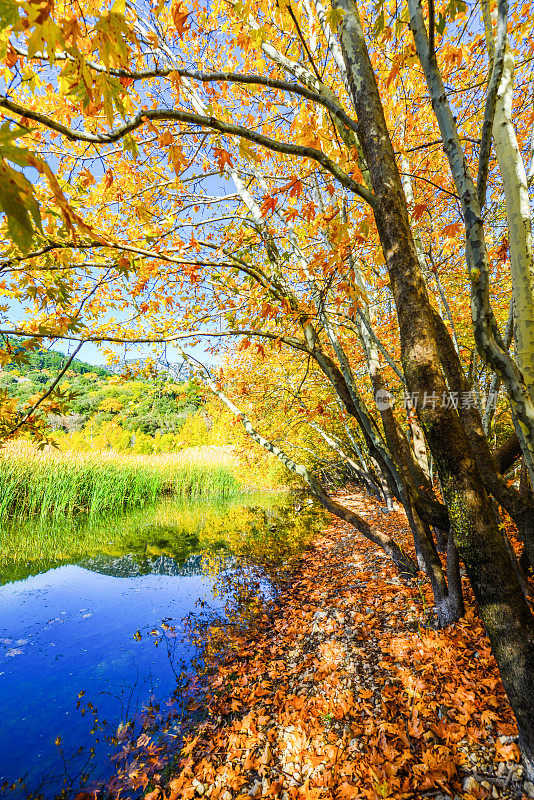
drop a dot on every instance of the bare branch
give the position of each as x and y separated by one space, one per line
48 392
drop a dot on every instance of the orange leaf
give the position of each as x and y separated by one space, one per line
108 179
179 17
223 158
418 210
269 204
394 71
166 138
507 752
347 791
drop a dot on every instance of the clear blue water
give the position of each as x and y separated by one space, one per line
70 627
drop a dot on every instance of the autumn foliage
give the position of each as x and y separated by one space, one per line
341 690
340 197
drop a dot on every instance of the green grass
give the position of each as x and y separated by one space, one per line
259 527
54 484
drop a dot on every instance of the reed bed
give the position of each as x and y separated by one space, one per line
54 484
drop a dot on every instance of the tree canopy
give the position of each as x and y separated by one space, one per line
338 194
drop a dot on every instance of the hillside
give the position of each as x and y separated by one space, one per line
138 414
44 359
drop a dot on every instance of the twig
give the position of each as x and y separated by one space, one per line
46 394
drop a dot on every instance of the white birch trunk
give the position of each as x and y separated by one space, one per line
519 219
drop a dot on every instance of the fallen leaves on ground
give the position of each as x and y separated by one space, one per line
340 690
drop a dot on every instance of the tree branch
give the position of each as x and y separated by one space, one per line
491 101
401 559
48 392
212 123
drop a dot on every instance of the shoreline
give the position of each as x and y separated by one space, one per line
340 690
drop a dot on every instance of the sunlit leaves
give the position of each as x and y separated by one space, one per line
179 14
112 35
17 196
9 14
166 187
349 691
223 158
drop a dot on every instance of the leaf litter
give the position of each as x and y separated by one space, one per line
339 688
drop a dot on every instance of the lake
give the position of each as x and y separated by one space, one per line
84 606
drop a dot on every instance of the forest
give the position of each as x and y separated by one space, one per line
325 212
138 413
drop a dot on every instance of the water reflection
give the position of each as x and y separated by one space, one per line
71 608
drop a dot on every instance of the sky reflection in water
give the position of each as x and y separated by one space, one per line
71 628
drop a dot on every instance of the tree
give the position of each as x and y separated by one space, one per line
215 181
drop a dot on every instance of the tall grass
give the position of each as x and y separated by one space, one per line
55 484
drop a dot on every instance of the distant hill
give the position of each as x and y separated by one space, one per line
143 413
53 360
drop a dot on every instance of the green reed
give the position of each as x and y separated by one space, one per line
55 484
260 527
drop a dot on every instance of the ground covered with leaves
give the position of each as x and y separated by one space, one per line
340 689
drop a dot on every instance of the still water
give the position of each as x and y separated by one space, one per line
73 602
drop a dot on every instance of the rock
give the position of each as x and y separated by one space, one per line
517 771
528 788
318 619
200 788
469 784
255 789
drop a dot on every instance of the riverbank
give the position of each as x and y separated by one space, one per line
341 691
93 624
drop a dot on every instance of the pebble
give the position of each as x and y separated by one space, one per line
255 789
469 784
318 618
518 771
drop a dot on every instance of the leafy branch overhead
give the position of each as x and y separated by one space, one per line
334 204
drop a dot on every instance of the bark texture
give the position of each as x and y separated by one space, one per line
478 539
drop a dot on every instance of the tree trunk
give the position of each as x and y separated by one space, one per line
480 542
519 506
487 335
519 222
